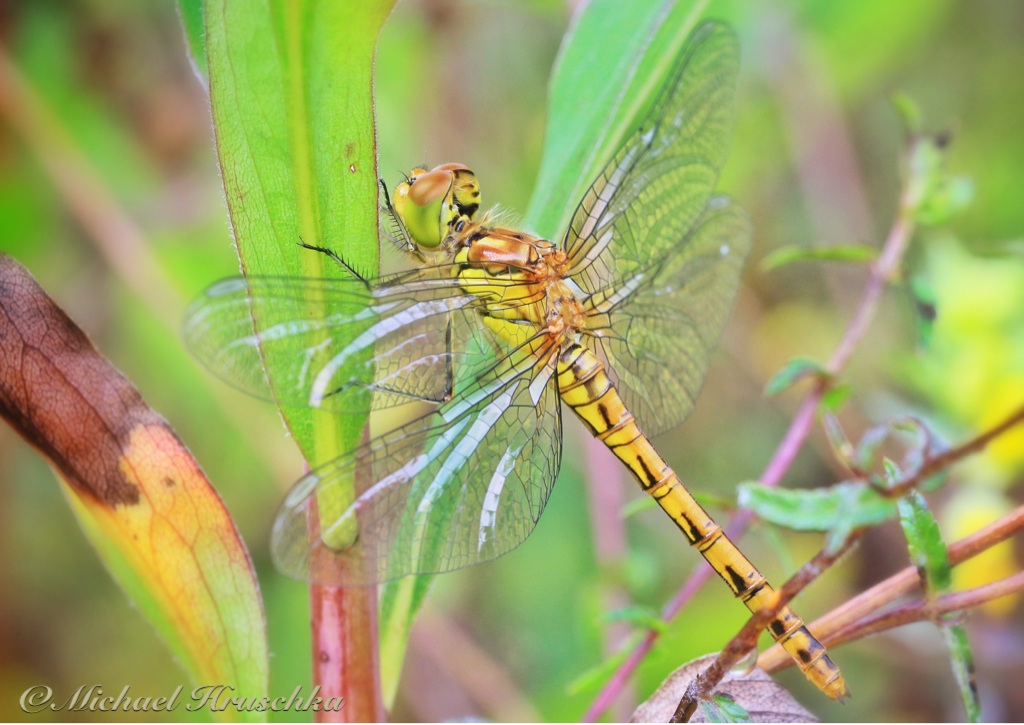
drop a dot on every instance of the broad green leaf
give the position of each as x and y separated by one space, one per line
609 69
141 498
845 506
853 253
290 87
291 94
793 371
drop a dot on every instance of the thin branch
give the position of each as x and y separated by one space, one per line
922 609
903 582
944 460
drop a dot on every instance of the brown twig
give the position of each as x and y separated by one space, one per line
922 609
944 460
847 616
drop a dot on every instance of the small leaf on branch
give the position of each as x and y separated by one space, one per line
962 661
850 253
638 616
847 505
793 371
924 543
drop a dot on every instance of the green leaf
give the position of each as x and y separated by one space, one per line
893 473
845 506
933 195
290 87
794 370
193 21
637 506
854 253
924 543
929 555
841 445
291 95
836 396
948 198
962 661
597 675
909 112
639 616
609 69
925 308
400 600
722 708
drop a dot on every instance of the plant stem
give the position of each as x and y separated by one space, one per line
861 607
344 628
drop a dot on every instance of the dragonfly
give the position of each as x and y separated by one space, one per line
495 329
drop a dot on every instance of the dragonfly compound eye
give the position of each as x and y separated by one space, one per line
426 207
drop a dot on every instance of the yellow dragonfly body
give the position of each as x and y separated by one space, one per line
496 328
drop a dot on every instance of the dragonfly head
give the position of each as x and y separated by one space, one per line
428 203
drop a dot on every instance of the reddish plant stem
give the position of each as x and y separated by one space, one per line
922 609
344 630
883 269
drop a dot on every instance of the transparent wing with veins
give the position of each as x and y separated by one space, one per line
657 253
317 342
461 485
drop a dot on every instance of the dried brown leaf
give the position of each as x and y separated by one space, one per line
764 699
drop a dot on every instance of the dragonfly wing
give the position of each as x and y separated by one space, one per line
645 243
658 330
464 484
655 188
324 341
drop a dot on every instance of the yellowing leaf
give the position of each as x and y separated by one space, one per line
159 526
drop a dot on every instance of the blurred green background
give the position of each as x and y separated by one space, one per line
110 195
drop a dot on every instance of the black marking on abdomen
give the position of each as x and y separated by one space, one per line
738 582
691 531
651 480
602 409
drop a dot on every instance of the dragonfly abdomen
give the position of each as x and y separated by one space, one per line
585 387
